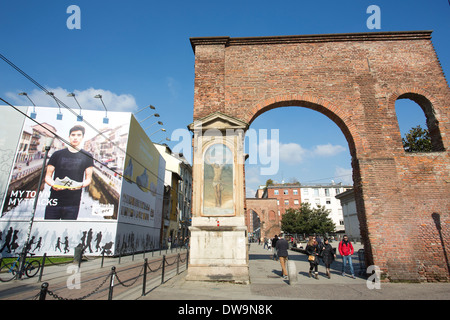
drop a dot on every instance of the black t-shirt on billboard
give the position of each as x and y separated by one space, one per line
71 165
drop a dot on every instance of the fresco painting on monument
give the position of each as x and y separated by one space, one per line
218 181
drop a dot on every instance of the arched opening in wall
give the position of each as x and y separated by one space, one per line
417 123
304 153
254 227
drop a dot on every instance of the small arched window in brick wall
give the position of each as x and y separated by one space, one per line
418 111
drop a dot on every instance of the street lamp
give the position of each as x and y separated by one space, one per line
157 122
167 139
155 114
149 106
59 116
32 114
162 129
105 119
79 117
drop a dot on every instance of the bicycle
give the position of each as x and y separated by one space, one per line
10 270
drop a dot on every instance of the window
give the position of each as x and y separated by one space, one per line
414 105
286 202
328 201
278 202
327 192
275 192
295 192
316 192
296 201
286 191
305 191
337 190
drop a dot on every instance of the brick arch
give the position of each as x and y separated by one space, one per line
334 113
354 79
263 208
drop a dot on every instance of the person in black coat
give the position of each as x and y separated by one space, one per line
313 250
328 256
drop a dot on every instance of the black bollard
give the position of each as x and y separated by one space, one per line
178 264
163 268
44 289
42 267
144 281
111 283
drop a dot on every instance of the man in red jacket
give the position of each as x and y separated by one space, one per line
346 250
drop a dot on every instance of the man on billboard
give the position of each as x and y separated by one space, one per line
68 171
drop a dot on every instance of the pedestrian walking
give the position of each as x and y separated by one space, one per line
266 243
282 249
274 247
313 251
346 250
328 256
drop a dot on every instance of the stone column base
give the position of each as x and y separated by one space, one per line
236 274
218 254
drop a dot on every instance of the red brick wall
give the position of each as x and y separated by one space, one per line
267 213
281 197
354 79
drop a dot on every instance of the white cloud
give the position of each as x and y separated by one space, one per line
344 175
113 101
270 150
327 150
292 153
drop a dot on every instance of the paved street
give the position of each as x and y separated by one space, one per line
266 282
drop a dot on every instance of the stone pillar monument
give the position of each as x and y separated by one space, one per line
218 243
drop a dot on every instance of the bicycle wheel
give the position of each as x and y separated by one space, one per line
32 268
9 271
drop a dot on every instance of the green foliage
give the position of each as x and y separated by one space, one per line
307 220
417 140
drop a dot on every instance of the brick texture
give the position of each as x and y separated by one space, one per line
354 79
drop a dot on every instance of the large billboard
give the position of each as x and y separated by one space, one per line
142 194
79 199
84 167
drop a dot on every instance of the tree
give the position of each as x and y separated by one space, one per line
307 220
417 140
269 182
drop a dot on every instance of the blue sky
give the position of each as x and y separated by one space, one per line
137 53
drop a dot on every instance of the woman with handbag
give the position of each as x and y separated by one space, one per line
313 251
328 256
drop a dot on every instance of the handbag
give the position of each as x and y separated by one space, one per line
311 258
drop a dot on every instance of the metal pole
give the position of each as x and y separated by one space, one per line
187 258
111 283
144 281
80 257
42 267
163 268
178 264
103 257
44 289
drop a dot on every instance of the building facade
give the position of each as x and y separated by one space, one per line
292 195
351 222
177 196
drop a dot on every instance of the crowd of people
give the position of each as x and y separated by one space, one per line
317 249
